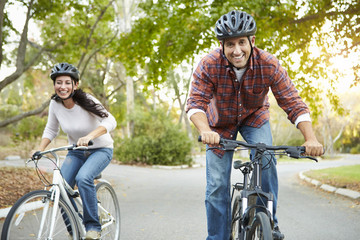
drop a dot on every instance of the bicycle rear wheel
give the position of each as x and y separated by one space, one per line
25 217
236 219
260 228
109 211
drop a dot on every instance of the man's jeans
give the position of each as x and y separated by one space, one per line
81 167
218 172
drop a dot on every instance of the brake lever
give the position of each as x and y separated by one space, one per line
309 157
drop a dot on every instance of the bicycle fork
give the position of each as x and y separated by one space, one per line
54 198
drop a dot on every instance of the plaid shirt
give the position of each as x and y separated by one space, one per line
229 103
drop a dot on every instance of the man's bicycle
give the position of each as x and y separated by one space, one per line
253 219
50 214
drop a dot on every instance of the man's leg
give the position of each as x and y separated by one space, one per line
217 199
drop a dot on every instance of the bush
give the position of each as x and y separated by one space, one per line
156 141
29 128
355 150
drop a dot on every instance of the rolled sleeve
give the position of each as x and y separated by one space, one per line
109 122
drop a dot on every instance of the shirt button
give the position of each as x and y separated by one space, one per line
240 104
240 115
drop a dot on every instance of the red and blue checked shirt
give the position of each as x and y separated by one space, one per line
229 103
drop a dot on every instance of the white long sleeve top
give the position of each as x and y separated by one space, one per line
77 122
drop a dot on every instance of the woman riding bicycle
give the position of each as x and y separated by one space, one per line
82 117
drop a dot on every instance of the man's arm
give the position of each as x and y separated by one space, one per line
313 147
200 121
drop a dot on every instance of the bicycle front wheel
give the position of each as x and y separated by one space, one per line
236 219
30 218
109 211
260 228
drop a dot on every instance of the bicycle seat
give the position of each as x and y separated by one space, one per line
237 164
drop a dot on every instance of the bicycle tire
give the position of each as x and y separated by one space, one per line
24 219
107 199
260 228
235 219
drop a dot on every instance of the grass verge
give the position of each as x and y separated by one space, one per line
340 177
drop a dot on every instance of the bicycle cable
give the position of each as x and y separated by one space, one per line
40 174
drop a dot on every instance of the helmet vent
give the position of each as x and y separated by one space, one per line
241 26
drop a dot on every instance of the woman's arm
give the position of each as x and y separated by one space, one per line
83 141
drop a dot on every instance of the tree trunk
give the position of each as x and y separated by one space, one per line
24 115
130 99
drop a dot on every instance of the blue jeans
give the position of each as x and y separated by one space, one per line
81 167
218 173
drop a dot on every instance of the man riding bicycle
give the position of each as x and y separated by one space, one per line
229 95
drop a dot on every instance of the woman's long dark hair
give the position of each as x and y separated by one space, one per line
81 98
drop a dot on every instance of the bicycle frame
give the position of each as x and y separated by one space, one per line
60 188
56 210
241 219
257 192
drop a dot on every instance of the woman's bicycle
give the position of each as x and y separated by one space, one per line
253 219
50 214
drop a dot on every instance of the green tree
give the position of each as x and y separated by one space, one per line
69 30
170 32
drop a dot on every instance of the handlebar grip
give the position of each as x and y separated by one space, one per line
302 149
220 142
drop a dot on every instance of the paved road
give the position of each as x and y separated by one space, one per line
307 213
159 204
169 204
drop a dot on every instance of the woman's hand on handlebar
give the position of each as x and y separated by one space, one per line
84 141
210 137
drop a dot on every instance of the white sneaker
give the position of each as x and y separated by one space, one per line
92 235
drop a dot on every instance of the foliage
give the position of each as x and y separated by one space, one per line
8 110
157 140
18 181
169 32
29 128
78 32
349 123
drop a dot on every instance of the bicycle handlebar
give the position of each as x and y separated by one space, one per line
37 155
292 151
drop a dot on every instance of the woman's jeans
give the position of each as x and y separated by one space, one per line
81 167
218 172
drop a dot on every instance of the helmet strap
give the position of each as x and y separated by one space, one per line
252 49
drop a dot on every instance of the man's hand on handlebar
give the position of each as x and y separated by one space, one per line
313 148
210 137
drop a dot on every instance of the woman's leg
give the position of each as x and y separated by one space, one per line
96 162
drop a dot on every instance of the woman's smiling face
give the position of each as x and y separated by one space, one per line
64 86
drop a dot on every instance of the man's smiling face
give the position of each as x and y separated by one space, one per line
237 50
